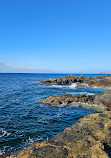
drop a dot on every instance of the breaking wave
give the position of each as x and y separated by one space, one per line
72 86
4 133
82 93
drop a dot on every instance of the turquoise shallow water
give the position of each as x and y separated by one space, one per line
24 119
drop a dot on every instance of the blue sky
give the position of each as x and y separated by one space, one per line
69 36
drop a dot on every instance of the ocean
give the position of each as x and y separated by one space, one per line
24 119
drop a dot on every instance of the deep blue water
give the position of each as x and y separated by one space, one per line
24 119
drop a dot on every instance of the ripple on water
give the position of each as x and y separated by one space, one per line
24 119
4 133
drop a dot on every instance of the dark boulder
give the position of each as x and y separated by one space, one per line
104 99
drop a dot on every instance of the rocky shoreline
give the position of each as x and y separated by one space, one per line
102 101
91 82
90 137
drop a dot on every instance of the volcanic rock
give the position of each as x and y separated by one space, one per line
90 137
102 101
92 82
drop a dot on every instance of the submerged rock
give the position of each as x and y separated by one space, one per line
90 137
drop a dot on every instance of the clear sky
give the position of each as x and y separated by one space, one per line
70 36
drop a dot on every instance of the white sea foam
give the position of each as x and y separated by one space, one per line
4 149
82 93
106 88
57 86
47 138
2 152
30 140
72 86
4 133
85 84
14 100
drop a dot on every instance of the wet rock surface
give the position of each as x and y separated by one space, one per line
92 82
102 101
90 137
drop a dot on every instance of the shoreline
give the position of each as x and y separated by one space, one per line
88 137
91 106
28 150
61 149
102 101
100 82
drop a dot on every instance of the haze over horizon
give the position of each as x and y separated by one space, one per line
59 36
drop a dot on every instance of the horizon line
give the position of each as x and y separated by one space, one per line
100 73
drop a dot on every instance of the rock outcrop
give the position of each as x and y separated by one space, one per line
92 82
90 137
67 99
102 101
65 80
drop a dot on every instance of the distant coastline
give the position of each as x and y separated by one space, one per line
103 73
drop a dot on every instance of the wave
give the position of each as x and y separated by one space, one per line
14 100
85 84
57 86
30 140
3 150
82 93
105 88
4 133
72 86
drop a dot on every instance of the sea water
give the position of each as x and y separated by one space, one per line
24 119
